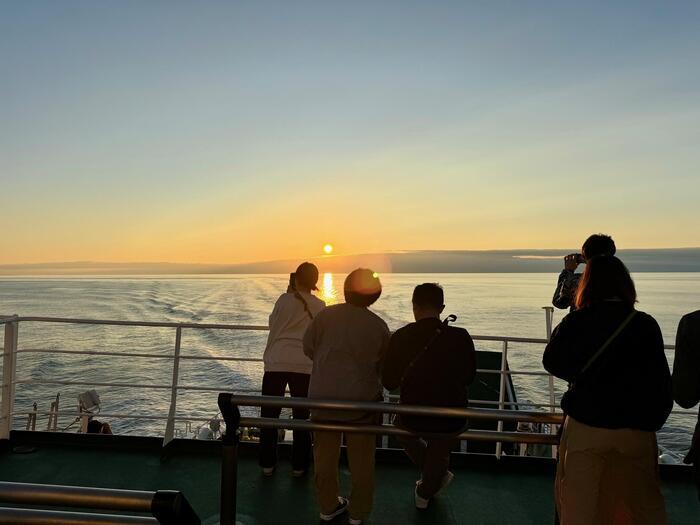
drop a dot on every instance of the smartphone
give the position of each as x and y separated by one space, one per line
580 259
292 282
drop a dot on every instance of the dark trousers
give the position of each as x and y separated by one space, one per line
432 457
274 384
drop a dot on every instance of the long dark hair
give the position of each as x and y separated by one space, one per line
605 277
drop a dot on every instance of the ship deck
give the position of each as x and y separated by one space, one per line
513 490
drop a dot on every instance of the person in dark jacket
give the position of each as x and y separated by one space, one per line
686 379
432 364
565 292
619 395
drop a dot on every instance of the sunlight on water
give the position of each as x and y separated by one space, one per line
328 292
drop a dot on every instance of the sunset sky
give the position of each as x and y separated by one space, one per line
226 132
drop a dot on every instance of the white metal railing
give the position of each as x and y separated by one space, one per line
11 350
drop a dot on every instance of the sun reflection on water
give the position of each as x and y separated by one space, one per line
328 292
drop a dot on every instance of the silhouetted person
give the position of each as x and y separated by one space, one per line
686 379
598 244
347 343
433 364
286 364
619 395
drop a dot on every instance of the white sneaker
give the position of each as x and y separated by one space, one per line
353 521
342 507
268 471
421 503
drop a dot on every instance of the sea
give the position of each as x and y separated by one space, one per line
503 304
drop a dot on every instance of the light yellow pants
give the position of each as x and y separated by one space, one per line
608 477
360 449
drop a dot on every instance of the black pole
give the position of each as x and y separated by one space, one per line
229 462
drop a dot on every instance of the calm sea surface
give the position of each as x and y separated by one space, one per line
486 304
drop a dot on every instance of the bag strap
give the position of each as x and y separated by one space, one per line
607 343
436 335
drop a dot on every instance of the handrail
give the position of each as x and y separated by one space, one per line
71 496
168 507
15 516
221 326
378 407
391 430
10 351
229 407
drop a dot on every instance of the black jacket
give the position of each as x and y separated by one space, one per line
686 373
629 385
438 377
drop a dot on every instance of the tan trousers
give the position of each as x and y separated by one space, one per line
608 477
360 448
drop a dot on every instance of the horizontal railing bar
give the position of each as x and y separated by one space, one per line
137 354
219 326
151 324
70 496
88 383
390 430
91 352
221 358
223 326
15 516
393 408
114 416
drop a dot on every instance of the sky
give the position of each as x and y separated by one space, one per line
228 132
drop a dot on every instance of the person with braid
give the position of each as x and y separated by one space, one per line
286 365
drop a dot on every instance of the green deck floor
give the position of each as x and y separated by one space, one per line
479 495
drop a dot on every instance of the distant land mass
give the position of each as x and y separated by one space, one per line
427 261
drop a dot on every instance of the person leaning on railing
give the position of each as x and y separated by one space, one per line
686 379
286 364
619 395
433 364
347 343
567 284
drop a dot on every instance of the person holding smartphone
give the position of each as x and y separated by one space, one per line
567 284
287 366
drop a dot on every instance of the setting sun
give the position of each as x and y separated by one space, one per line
328 249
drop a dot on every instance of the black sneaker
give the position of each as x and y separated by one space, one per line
342 507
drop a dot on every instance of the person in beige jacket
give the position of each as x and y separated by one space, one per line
286 365
347 343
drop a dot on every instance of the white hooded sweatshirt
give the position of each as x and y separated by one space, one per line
288 323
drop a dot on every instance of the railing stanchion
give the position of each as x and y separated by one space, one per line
9 369
170 425
502 394
549 313
229 463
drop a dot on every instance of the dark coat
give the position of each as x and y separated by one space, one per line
438 376
686 374
629 385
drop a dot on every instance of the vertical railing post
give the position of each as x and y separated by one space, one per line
170 425
502 393
229 460
549 313
9 369
549 320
